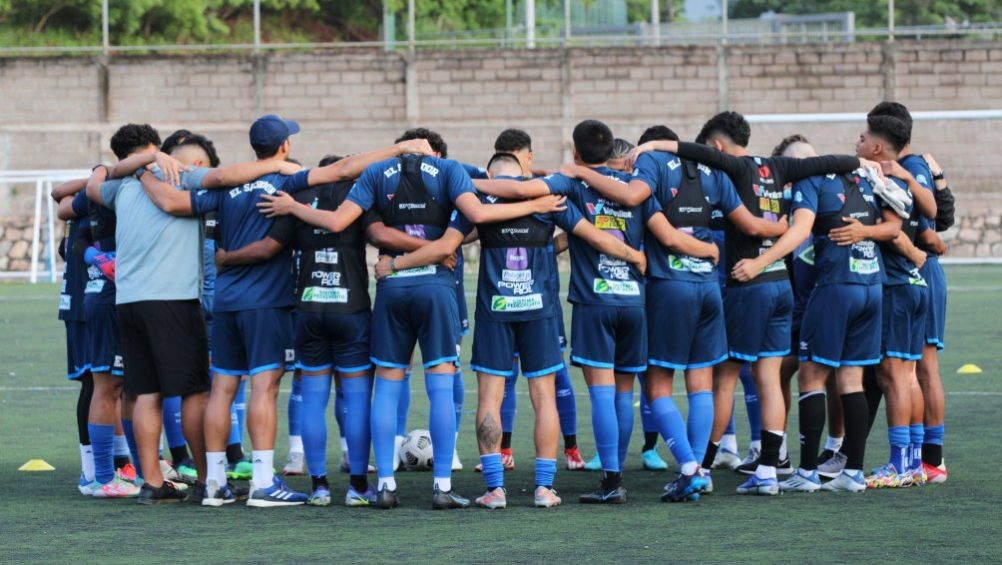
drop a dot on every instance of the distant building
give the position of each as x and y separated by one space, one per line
701 10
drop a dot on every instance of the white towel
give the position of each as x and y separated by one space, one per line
899 199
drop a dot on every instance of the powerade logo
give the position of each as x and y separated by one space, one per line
412 205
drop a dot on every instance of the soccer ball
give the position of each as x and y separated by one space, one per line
415 452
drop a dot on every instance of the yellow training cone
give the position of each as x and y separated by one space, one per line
969 369
36 465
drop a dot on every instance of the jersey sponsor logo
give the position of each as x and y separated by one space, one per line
428 168
516 276
704 169
915 279
807 255
326 257
325 295
607 208
690 209
622 288
325 278
412 205
94 286
690 264
65 301
764 172
253 186
118 363
415 230
514 231
863 258
290 355
610 223
613 268
516 303
416 272
674 164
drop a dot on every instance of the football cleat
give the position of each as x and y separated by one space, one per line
386 499
572 459
726 459
708 488
295 462
830 467
594 464
545 498
242 470
167 492
756 485
653 461
493 499
801 481
751 459
685 487
447 500
218 495
115 488
784 467
919 478
321 496
86 487
935 475
846 481
127 472
276 494
884 477
354 498
186 471
603 496
507 459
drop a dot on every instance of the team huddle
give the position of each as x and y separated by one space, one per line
695 258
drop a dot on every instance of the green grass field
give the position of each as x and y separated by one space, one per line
44 519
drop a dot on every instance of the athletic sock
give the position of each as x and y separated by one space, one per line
178 454
700 422
812 423
264 467
650 440
871 388
319 481
102 439
315 391
172 426
611 480
932 446
340 410
771 442
403 404
83 407
646 417
898 437
383 418
672 427
508 409
120 447
784 453
234 453
833 443
493 470
87 462
505 440
130 438
344 445
624 420
752 405
546 469
238 414
359 482
854 409
215 462
729 441
710 455
442 425
295 420
567 407
605 425
357 394
916 433
458 392
389 483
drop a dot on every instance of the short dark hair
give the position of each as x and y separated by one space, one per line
264 152
330 160
434 139
656 133
620 147
730 124
892 130
183 137
503 157
593 141
132 137
511 140
895 110
786 142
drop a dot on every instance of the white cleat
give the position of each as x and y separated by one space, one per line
545 498
832 467
726 459
801 481
846 481
295 464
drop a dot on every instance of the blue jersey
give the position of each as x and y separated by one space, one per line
517 263
830 200
597 278
101 235
803 276
690 213
917 166
443 181
71 294
267 284
209 223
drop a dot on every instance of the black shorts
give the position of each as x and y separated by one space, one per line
165 347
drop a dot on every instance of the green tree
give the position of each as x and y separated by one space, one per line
873 13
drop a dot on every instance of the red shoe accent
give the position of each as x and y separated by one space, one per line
935 475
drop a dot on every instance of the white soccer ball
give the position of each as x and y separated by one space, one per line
415 452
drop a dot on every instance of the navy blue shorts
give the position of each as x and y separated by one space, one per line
935 329
685 324
326 340
426 315
464 318
104 346
842 325
561 329
76 349
904 321
609 337
249 342
758 319
536 342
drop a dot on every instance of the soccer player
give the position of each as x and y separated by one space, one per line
415 194
758 312
683 286
841 330
609 336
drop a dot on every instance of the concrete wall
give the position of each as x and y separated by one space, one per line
59 113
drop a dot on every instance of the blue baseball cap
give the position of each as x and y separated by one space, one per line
271 131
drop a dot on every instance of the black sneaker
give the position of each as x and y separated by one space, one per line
166 493
749 467
825 456
196 493
447 500
784 467
604 496
386 499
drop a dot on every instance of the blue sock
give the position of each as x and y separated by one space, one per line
493 470
295 402
624 418
357 399
102 439
404 404
508 406
315 392
172 421
646 415
458 391
899 437
605 425
340 408
385 402
546 469
672 428
441 421
567 406
700 422
130 438
934 434
751 403
916 434
238 413
120 447
730 424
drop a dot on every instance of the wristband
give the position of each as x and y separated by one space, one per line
939 176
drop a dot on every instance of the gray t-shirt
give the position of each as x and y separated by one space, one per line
159 256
